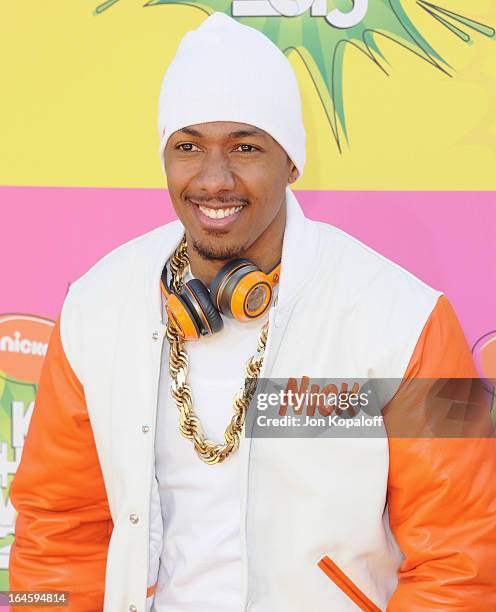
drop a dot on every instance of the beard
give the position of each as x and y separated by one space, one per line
213 252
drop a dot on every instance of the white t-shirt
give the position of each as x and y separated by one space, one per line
200 564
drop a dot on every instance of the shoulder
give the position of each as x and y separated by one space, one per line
118 284
381 307
365 272
126 260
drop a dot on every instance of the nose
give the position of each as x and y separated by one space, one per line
215 174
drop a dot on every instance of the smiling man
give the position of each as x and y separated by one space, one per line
227 182
137 489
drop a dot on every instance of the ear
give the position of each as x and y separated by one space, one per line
293 174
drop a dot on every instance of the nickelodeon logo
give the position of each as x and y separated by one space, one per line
23 345
17 344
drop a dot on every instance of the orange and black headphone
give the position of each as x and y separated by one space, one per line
239 290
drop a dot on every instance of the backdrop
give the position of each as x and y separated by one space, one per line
399 102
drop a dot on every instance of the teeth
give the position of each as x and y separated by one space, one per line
220 213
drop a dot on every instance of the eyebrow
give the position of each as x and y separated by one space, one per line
235 134
243 133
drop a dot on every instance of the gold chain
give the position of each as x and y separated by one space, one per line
189 423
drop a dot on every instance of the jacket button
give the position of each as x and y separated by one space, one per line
133 608
155 335
134 518
145 429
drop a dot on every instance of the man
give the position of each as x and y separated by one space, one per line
131 497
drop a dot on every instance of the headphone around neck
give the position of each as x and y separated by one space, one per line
239 290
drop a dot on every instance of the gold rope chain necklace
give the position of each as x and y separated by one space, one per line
189 423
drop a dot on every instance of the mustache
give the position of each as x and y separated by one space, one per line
224 199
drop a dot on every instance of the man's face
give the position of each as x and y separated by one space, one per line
227 183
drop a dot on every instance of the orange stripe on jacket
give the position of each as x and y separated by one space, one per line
342 581
151 590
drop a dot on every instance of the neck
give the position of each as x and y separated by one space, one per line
265 252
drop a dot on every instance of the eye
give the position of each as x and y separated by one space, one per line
188 146
248 148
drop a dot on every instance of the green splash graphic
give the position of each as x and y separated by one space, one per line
11 390
321 45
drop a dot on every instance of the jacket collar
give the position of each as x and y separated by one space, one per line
300 249
299 253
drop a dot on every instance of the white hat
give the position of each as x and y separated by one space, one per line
226 71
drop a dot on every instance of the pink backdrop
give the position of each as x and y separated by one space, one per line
50 236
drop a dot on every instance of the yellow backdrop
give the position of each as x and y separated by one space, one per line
80 95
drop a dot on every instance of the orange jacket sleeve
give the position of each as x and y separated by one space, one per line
63 525
442 495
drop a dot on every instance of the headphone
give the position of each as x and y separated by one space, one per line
239 290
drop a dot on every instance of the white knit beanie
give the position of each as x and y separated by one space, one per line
226 71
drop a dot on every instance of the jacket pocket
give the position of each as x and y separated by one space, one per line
348 587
